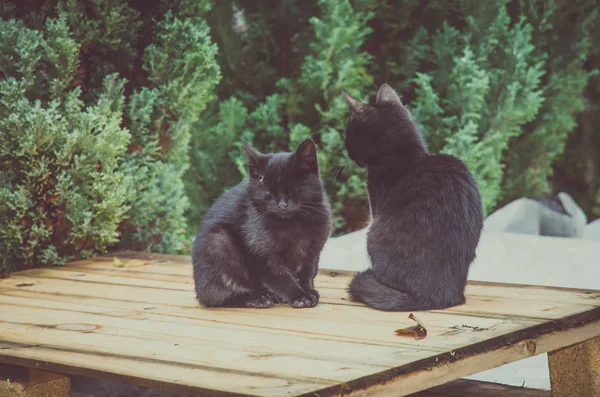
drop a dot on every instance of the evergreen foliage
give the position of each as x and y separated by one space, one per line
498 84
97 103
62 190
121 121
305 101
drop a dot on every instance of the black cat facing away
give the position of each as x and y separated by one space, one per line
426 211
260 242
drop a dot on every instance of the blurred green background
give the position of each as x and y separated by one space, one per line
121 121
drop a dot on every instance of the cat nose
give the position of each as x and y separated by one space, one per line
282 204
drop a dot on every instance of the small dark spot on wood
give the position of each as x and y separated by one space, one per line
343 368
176 344
25 285
457 329
265 355
4 348
80 275
333 274
475 329
549 308
149 308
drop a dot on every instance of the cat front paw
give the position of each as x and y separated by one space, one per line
309 300
275 298
260 302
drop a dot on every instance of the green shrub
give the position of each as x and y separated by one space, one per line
310 68
118 131
62 190
97 104
498 84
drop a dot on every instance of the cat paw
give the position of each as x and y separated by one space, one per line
309 300
314 294
261 302
275 298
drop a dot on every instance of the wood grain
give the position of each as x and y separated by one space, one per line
143 325
575 370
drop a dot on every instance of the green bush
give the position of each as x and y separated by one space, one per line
498 84
63 192
118 131
97 103
319 54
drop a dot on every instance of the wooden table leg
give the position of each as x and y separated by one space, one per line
24 382
575 370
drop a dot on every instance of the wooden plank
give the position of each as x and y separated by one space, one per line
575 370
124 344
446 331
153 373
285 332
143 325
189 336
412 381
488 291
28 315
181 271
477 290
488 305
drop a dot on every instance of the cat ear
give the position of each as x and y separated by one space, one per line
256 161
354 104
306 156
387 94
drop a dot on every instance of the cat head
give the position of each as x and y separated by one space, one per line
284 184
376 131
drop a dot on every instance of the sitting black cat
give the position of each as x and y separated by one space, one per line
426 209
260 242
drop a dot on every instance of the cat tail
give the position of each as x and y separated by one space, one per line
367 289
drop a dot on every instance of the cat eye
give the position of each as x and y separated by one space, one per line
261 178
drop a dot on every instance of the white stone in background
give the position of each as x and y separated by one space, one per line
577 214
592 231
527 216
508 258
347 252
520 216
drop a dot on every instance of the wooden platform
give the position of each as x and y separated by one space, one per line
143 325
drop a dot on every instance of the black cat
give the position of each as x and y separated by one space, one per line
426 209
260 242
